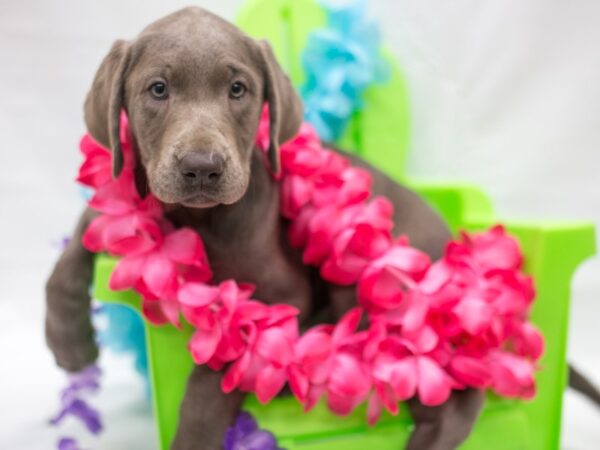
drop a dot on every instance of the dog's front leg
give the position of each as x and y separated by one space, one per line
447 426
69 330
206 412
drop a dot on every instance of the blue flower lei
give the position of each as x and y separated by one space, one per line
341 61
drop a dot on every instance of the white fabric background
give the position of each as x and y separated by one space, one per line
504 94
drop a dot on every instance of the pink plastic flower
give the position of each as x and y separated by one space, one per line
353 249
527 340
386 280
512 375
262 135
470 371
210 310
127 234
351 186
485 252
317 229
296 192
158 273
328 361
404 367
303 155
96 170
268 333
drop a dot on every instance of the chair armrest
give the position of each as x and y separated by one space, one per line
103 269
553 251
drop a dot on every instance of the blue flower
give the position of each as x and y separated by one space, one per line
340 62
124 333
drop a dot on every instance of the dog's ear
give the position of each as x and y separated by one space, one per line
105 99
285 106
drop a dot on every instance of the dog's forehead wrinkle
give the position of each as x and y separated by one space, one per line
202 32
208 32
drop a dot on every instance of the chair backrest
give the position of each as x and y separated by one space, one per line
378 133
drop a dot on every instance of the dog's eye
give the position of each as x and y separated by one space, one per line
237 90
159 90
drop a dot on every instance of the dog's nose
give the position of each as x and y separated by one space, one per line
203 168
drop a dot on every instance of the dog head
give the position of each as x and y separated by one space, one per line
193 87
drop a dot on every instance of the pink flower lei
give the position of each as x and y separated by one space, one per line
433 327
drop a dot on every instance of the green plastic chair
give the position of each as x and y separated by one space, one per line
380 134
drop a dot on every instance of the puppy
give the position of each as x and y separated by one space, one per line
193 86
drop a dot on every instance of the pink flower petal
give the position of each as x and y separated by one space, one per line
472 372
347 377
415 313
379 288
184 246
341 405
314 394
529 341
347 325
197 294
159 274
496 249
434 383
274 346
269 383
386 397
512 375
92 238
374 409
313 347
403 379
295 193
475 314
298 382
153 313
203 344
234 374
127 272
116 197
171 311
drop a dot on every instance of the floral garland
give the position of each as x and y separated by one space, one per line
433 327
340 62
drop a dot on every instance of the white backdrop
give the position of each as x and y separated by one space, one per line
504 94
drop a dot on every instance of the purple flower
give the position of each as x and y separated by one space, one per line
68 444
61 243
80 409
86 381
245 435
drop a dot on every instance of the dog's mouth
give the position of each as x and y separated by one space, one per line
199 200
